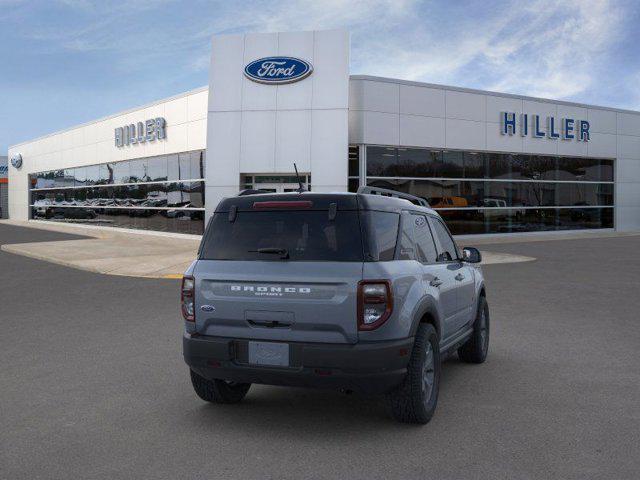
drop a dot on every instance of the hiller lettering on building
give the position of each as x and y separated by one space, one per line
525 124
147 131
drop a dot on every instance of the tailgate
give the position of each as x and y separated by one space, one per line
286 301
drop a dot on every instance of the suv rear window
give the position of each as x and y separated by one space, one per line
306 235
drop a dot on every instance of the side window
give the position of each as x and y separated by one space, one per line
381 233
426 249
407 248
447 250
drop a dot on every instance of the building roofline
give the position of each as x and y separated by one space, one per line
117 114
488 92
351 77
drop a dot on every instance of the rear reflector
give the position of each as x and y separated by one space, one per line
282 204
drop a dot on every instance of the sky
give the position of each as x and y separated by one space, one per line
66 62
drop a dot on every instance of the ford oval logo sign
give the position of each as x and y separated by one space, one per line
278 70
16 160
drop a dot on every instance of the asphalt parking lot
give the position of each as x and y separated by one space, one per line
93 385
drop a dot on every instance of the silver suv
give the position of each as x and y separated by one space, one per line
363 292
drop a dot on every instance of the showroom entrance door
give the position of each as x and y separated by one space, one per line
275 183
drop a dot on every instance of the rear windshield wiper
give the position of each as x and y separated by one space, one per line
283 252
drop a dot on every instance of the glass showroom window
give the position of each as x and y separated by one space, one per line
354 168
479 192
158 193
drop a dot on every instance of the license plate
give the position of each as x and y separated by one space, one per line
268 353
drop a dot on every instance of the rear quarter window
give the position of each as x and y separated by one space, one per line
380 230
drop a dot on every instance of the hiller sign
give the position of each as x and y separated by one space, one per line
147 131
525 124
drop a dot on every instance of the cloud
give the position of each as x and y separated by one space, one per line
561 46
540 48
546 49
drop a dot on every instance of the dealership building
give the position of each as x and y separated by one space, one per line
489 162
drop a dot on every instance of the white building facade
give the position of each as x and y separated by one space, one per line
490 162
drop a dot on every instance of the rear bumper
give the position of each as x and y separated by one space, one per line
369 368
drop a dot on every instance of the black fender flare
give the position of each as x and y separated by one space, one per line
427 306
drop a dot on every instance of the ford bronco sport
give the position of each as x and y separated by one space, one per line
363 292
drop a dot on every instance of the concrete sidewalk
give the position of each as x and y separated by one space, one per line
135 253
111 251
542 236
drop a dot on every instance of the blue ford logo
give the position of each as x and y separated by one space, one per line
278 70
207 308
16 160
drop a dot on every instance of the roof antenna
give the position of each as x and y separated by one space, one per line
301 188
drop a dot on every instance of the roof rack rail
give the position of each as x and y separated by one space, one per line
393 193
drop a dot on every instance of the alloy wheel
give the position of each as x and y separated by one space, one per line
428 373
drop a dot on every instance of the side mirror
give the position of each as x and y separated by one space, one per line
471 255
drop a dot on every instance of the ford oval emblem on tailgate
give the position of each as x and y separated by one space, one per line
207 308
278 70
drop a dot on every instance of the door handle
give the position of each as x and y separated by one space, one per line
436 282
459 277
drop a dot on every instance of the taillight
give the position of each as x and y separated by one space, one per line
375 303
187 299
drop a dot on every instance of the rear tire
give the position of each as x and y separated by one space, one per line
218 391
415 400
477 347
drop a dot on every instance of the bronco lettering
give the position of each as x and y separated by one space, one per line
269 289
